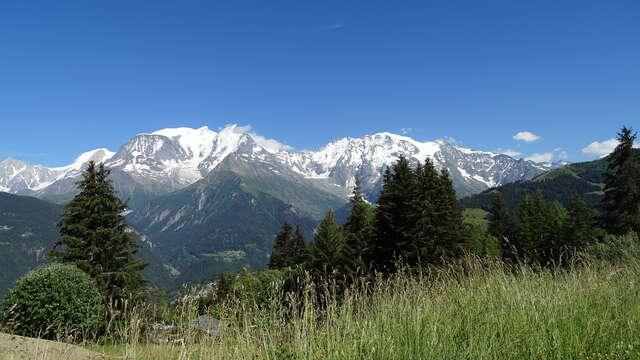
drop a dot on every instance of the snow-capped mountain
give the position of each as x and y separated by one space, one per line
171 159
21 178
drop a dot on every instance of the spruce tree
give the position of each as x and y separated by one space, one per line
358 234
539 230
620 206
281 251
96 238
501 226
579 228
299 251
326 252
421 246
449 223
393 215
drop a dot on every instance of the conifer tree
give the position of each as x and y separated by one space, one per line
393 214
621 203
417 249
281 251
299 251
326 253
358 233
539 230
449 223
579 228
501 225
96 239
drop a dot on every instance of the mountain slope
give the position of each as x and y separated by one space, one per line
585 179
27 231
229 218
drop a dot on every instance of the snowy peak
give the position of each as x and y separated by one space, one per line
173 158
97 156
19 177
196 143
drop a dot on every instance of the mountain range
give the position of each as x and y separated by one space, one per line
207 201
171 159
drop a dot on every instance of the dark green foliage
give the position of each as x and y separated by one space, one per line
279 256
481 243
501 226
55 301
326 252
27 231
358 233
580 229
539 230
250 289
615 248
299 250
289 248
96 239
621 203
393 214
417 218
449 235
424 215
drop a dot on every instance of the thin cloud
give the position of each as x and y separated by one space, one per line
509 152
451 140
335 27
526 136
541 158
598 149
405 130
266 143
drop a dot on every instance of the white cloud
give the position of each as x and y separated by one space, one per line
405 130
546 157
599 149
526 136
509 152
259 139
335 27
451 140
562 155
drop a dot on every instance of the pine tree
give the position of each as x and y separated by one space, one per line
358 234
539 231
449 223
281 252
418 249
501 226
96 239
393 214
326 253
579 227
299 251
621 203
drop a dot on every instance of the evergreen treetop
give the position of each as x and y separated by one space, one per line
620 206
281 251
96 238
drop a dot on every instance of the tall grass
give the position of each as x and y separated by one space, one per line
470 309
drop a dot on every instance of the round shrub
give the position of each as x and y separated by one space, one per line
52 302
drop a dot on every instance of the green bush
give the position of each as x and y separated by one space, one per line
55 301
615 248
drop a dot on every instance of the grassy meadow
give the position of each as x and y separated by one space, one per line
471 309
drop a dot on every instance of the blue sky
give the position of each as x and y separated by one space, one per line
77 74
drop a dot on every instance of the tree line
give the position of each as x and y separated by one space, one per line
547 233
417 222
